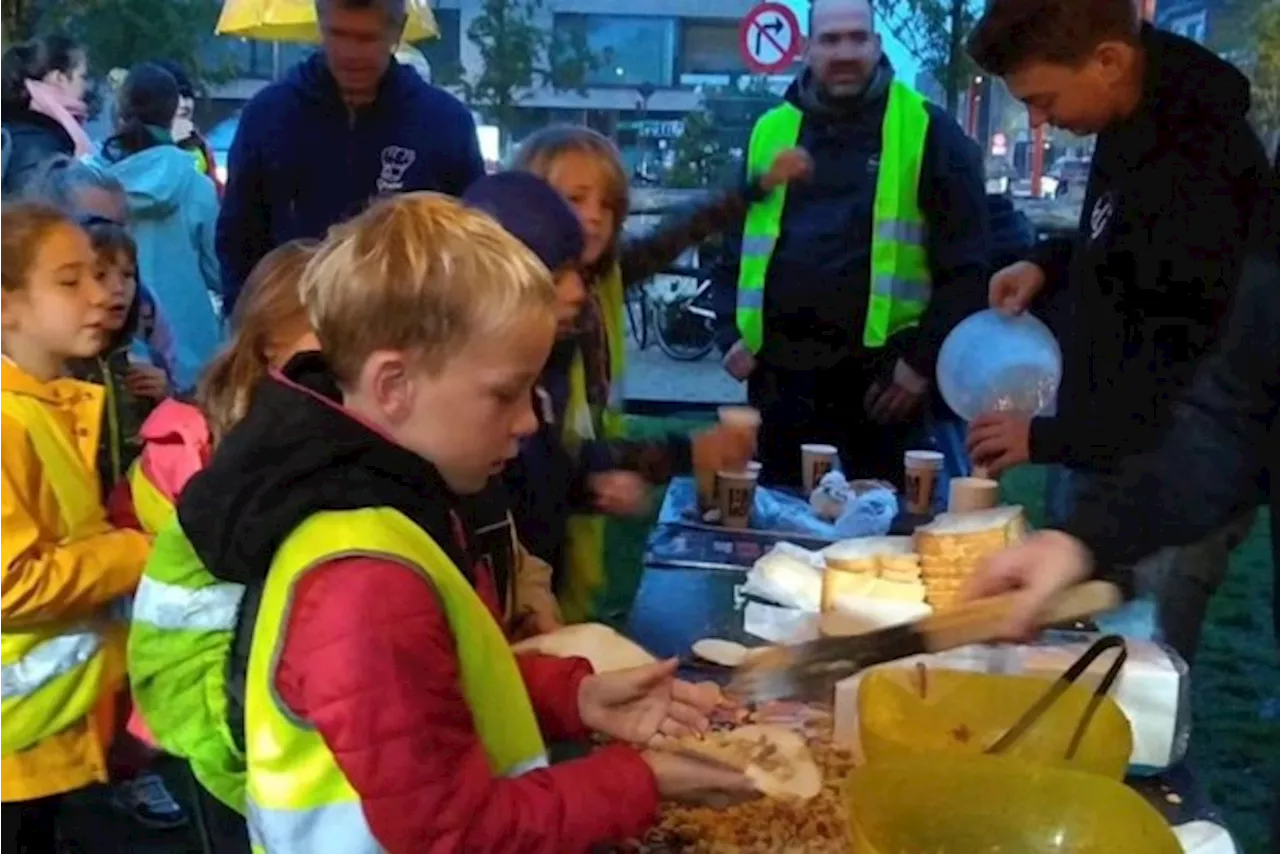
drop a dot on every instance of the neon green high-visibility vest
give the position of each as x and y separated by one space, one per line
299 801
900 279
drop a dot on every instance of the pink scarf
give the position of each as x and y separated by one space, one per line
54 103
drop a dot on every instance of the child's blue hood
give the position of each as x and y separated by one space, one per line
156 180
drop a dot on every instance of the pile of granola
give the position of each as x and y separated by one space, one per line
766 825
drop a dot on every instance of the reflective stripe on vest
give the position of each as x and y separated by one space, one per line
342 826
900 282
175 608
298 798
51 672
46 661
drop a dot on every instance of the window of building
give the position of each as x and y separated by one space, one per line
710 47
445 52
1192 26
629 50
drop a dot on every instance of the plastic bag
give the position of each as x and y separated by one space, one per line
870 514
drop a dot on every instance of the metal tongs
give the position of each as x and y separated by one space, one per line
1060 686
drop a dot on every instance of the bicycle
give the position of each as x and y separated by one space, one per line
685 324
639 315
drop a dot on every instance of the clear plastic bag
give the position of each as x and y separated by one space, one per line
994 363
870 514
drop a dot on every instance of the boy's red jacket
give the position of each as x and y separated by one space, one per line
367 655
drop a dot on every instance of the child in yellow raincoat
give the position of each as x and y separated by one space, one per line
63 565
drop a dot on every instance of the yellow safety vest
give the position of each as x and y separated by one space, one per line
51 672
298 799
584 568
900 278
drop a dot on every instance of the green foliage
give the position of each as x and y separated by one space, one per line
121 33
700 156
934 31
16 20
518 52
1266 70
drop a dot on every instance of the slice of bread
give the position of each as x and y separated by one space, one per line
970 536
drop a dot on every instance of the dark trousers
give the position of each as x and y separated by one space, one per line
799 407
222 830
30 827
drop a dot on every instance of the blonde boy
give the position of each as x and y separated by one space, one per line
384 708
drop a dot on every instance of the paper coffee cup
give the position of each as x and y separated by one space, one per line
735 496
972 493
815 461
921 479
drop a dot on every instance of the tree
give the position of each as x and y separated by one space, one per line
699 154
1266 72
122 33
17 17
934 32
519 52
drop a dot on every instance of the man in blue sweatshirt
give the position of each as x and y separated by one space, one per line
345 126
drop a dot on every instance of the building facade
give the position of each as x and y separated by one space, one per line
655 63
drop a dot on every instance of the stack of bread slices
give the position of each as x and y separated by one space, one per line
953 545
871 567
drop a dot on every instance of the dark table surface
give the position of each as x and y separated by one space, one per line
675 607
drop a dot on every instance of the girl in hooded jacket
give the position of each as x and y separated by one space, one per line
64 565
173 212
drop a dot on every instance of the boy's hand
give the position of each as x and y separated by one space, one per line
1012 288
639 703
722 448
620 493
794 164
998 441
688 781
1038 568
145 380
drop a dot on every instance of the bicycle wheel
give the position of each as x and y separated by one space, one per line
637 305
682 334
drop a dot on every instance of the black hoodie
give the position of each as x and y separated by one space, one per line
1154 265
302 161
296 453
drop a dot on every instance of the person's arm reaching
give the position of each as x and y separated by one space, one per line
44 576
389 706
244 223
1206 472
954 202
643 258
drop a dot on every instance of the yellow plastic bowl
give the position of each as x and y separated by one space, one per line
965 712
994 805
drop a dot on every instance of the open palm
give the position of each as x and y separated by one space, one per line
639 703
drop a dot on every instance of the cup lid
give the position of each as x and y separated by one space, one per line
932 459
819 448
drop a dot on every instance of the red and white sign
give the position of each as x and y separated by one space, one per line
769 38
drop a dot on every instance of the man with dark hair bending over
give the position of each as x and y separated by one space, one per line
1151 271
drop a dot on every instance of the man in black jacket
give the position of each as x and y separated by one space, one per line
1221 456
1176 173
818 374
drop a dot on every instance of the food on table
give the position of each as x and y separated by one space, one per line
953 545
602 646
723 652
873 568
768 825
788 575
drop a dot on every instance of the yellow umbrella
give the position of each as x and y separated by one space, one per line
295 20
